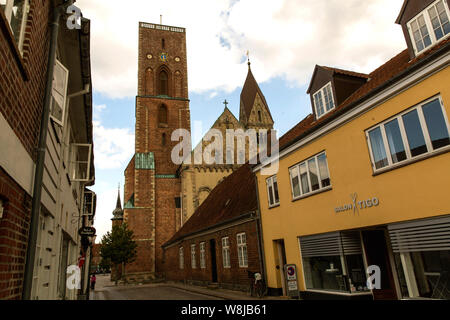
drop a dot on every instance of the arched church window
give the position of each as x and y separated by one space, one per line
163 43
163 139
162 114
259 116
163 83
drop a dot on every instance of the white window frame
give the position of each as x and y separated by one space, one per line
241 244
296 170
193 258
181 257
426 134
8 14
202 255
430 28
322 92
270 183
59 93
226 252
89 210
73 163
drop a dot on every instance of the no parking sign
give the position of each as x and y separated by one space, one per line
290 272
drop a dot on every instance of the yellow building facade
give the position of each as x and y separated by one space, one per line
357 190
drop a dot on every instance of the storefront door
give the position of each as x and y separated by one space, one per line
377 254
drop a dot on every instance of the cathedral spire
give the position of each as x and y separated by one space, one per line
118 212
249 94
118 203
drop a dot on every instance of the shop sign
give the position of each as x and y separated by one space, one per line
86 231
356 205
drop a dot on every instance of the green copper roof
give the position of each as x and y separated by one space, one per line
144 161
166 176
130 203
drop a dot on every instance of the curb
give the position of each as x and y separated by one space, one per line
211 293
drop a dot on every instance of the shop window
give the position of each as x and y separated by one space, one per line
323 100
272 190
310 176
420 130
334 262
16 13
242 250
226 252
193 259
181 257
202 255
422 257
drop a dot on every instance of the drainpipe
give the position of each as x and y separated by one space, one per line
37 188
259 234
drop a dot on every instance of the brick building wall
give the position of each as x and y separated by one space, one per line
152 177
234 277
14 226
22 80
22 84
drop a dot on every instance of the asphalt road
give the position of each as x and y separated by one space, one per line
147 292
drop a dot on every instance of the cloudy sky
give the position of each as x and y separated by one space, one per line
286 39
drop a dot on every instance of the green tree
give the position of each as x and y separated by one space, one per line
118 247
105 264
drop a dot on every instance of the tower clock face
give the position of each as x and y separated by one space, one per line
163 57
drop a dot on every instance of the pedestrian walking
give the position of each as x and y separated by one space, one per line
93 280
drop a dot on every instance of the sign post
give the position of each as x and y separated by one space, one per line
290 272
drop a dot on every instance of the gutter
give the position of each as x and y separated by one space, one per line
374 91
39 171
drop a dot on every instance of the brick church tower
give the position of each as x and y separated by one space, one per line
152 186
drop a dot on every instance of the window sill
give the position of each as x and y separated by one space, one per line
313 193
416 54
274 206
6 29
324 114
413 160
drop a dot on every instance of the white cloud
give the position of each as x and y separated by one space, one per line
286 38
106 203
113 146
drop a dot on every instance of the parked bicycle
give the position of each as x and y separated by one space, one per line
257 285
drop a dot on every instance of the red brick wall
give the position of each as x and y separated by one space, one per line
22 79
140 221
22 87
129 181
166 214
13 236
233 277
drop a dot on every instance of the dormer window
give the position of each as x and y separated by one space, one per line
323 100
430 26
